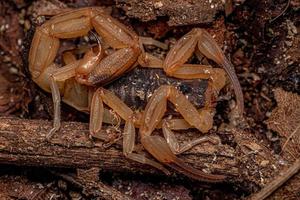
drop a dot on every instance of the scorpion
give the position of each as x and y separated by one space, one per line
81 82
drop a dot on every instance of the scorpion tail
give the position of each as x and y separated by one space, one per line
191 172
158 147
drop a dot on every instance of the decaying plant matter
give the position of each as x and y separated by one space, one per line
261 38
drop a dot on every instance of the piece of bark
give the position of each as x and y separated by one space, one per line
22 142
178 12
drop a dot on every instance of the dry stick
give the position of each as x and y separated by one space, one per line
277 182
290 137
281 13
22 143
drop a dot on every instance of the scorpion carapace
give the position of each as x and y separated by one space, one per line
119 51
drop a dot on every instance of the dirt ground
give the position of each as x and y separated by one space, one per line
261 38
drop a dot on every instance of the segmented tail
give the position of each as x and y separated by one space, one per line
158 148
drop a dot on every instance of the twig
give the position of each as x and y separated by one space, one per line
290 137
277 182
23 143
282 12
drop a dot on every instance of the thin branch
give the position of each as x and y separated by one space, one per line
282 12
23 143
277 182
290 137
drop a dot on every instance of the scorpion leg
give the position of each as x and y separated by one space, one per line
128 147
59 75
151 41
207 111
65 76
56 101
208 46
96 113
183 50
174 145
216 76
73 89
174 64
157 146
146 59
104 96
111 100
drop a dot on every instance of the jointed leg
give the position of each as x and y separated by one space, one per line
149 60
202 41
128 147
104 96
157 106
173 142
56 103
59 75
97 109
163 150
151 41
193 71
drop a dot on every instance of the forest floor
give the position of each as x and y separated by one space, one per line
261 38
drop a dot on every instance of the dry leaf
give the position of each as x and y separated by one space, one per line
285 119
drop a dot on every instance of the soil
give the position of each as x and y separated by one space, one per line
261 38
